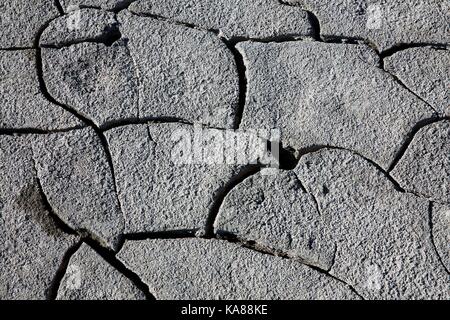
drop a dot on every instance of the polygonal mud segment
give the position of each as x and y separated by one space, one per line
70 5
78 26
89 277
98 81
384 23
441 232
383 241
191 73
165 177
23 106
322 94
22 20
212 269
425 167
425 71
275 212
31 245
256 19
77 180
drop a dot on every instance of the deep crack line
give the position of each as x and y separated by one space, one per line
17 49
107 254
397 80
109 35
146 120
52 291
27 131
312 149
105 145
175 22
87 121
312 17
410 137
404 46
112 260
241 70
59 7
430 225
233 239
220 195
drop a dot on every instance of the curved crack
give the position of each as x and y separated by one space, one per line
404 46
430 225
220 195
231 238
52 291
396 79
144 120
26 131
112 260
86 237
87 121
241 70
59 7
410 138
17 48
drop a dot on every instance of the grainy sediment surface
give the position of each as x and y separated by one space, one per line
228 149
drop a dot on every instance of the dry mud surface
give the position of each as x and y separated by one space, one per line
227 149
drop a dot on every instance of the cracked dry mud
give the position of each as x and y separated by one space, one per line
134 149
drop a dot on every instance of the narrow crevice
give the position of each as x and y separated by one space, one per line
309 192
275 39
111 258
287 157
220 195
144 120
88 122
52 291
410 137
59 223
243 82
232 41
222 235
430 225
110 35
109 159
154 120
312 18
55 218
123 5
59 7
349 40
305 151
107 254
17 49
108 38
76 7
231 238
351 288
386 174
396 79
43 87
27 131
315 24
404 46
175 22
168 234
333 261
85 120
254 246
